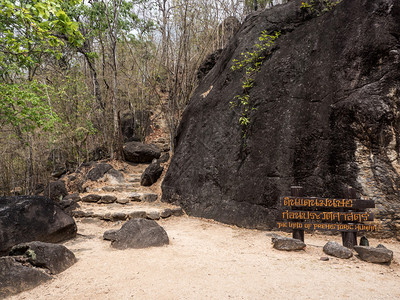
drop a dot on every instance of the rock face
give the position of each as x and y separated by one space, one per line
15 278
138 233
140 153
374 255
287 244
53 257
151 174
325 117
32 218
337 250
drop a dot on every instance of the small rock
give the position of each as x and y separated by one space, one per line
364 241
324 258
120 189
74 197
153 215
337 250
107 199
122 201
108 188
118 216
68 205
374 255
380 246
88 214
177 212
110 235
91 198
287 244
136 197
166 213
149 197
137 214
106 217
78 214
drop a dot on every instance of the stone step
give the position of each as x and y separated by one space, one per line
145 197
133 179
122 198
129 187
117 212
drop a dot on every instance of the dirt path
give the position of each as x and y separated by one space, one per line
208 260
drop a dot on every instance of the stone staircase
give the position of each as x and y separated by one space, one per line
113 200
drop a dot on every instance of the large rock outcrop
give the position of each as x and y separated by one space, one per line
326 117
32 218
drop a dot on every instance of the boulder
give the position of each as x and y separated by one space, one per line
53 257
98 171
337 250
139 233
140 153
374 255
287 244
151 174
55 190
16 278
32 218
325 100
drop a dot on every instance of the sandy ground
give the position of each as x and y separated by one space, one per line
208 260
